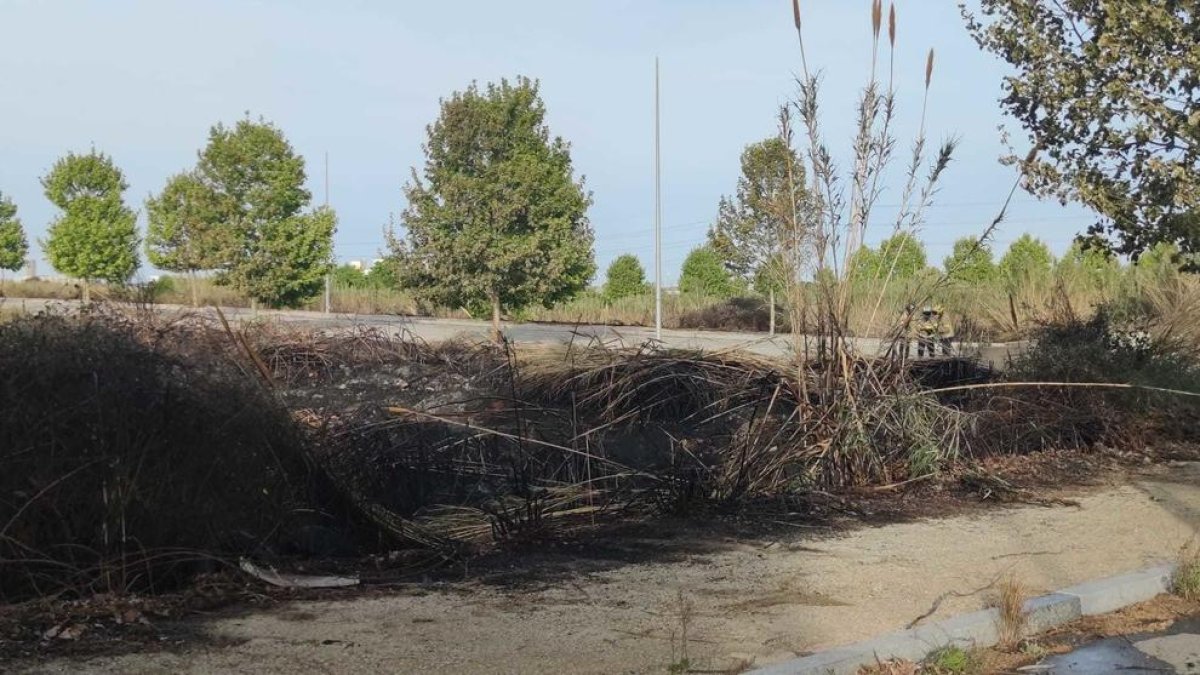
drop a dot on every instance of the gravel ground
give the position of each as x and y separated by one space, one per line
739 599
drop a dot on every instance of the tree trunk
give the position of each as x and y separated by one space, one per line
771 301
87 291
195 293
497 336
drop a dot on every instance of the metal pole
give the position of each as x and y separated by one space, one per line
328 277
657 212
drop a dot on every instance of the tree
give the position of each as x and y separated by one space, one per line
383 275
95 238
753 227
1095 267
497 219
1161 260
970 262
1107 91
704 273
273 251
349 276
901 256
287 260
186 231
625 278
1027 259
13 244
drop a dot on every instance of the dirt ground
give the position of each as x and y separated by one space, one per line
740 599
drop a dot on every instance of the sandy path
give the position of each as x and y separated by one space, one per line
753 600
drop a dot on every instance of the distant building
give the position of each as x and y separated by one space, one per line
30 270
356 264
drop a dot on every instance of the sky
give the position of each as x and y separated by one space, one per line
144 80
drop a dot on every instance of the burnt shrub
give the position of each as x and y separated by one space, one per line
745 314
1112 379
125 463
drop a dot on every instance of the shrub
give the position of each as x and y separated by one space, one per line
704 273
349 276
120 456
625 278
746 314
1185 582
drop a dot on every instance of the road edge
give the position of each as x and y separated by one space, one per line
980 629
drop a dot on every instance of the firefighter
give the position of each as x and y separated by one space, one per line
932 330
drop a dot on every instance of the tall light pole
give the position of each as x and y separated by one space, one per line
657 212
328 277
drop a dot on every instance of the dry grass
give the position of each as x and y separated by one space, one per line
979 312
1186 581
1009 600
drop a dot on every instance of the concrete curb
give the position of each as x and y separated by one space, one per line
981 629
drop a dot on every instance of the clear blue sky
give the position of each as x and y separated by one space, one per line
143 80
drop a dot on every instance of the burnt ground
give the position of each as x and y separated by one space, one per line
174 622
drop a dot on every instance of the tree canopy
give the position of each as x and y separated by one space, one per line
185 230
1026 259
13 244
753 226
1093 266
1107 92
95 237
255 173
286 262
901 256
349 276
249 189
625 278
704 273
496 217
970 262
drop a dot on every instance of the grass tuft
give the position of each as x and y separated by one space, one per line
1186 581
1009 599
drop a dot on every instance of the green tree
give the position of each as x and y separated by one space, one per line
95 238
1161 260
287 261
753 227
13 244
1027 259
497 219
383 275
1094 267
704 273
1106 91
349 276
625 278
185 230
275 252
970 262
901 256
864 264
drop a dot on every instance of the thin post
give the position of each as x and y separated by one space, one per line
328 293
657 211
328 277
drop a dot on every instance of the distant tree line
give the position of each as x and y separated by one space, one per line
241 214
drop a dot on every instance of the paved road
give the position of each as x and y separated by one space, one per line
434 330
1175 650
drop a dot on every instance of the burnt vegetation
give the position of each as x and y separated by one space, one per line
140 452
